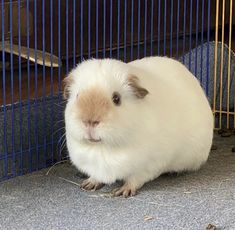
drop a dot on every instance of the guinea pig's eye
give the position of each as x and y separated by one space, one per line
116 98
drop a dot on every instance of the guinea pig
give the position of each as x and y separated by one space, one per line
135 121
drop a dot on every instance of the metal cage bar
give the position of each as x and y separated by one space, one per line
229 61
221 66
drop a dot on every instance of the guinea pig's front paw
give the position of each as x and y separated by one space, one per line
91 184
126 190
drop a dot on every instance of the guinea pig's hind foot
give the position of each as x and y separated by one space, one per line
126 190
91 185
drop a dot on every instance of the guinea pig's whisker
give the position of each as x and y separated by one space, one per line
59 122
62 146
62 138
58 130
63 102
60 105
62 142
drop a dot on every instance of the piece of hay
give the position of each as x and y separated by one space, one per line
70 181
60 162
147 218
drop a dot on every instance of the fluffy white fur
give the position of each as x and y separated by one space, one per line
170 129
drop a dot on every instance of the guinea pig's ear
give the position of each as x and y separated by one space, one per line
67 81
138 91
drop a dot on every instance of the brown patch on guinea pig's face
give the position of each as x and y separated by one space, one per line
139 91
93 105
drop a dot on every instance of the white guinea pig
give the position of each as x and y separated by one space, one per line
135 121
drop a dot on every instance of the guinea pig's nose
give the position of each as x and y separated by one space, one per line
91 123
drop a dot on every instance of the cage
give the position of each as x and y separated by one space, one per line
41 41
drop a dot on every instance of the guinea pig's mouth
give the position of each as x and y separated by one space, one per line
90 137
94 140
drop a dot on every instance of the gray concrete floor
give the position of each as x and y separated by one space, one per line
185 201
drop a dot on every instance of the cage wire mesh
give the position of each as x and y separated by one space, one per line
42 40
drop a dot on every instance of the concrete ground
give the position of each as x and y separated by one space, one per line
185 201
